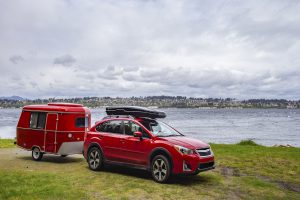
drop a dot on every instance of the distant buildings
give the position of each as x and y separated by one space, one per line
161 101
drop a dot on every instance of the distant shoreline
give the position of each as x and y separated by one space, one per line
160 102
204 108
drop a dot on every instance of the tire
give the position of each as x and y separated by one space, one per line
36 154
160 169
95 159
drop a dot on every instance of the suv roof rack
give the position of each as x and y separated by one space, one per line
118 116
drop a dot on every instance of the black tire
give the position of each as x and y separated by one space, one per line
95 159
63 156
36 154
195 173
160 169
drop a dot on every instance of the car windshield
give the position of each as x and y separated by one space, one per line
161 129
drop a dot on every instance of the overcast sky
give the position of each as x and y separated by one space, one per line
241 49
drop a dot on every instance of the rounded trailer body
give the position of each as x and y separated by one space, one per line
57 128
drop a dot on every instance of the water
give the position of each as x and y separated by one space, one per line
265 126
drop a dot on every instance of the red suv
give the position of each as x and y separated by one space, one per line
133 137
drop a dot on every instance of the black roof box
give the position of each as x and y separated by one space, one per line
135 111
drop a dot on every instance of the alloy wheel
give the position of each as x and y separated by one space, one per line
160 170
94 159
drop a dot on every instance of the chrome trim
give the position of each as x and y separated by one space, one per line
204 150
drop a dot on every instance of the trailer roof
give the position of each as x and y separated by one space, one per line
59 107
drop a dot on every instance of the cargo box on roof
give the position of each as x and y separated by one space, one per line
135 111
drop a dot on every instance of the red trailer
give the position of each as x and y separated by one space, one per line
56 128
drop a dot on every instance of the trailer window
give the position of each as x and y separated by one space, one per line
37 120
82 122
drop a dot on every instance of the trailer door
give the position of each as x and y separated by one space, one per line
51 128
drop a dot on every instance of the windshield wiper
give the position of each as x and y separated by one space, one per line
160 135
172 135
168 135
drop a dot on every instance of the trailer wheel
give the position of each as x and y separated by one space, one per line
36 154
95 159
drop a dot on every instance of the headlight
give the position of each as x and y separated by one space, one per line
183 150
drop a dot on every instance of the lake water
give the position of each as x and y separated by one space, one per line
265 126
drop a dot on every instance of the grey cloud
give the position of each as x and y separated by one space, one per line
131 68
111 72
15 59
65 60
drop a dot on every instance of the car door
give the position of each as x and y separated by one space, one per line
135 148
113 138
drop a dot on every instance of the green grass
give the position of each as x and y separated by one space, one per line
276 163
7 143
36 185
243 172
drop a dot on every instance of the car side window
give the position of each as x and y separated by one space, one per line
131 127
101 127
114 126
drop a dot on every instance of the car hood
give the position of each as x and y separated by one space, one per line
186 142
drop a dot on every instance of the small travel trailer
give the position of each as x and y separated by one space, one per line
56 128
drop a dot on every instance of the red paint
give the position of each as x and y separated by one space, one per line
132 150
60 126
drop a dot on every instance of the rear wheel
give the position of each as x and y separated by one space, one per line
37 154
160 169
95 159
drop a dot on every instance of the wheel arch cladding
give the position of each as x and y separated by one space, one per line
161 151
94 144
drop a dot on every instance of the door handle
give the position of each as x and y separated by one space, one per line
122 141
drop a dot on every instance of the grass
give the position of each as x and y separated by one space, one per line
7 143
243 172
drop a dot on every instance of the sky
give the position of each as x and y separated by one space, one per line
195 48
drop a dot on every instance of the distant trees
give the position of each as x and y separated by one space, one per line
160 101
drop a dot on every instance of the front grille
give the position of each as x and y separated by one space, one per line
206 165
204 152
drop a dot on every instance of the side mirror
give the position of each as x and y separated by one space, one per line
138 134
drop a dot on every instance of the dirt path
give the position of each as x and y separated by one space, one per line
15 158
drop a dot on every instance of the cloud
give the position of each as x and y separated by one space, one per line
15 59
133 48
65 60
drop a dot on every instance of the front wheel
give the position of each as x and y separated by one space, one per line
160 169
95 159
36 154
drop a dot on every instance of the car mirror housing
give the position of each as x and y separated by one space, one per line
137 134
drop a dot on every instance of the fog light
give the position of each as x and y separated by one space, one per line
186 166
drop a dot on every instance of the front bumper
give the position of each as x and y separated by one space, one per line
193 164
206 166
